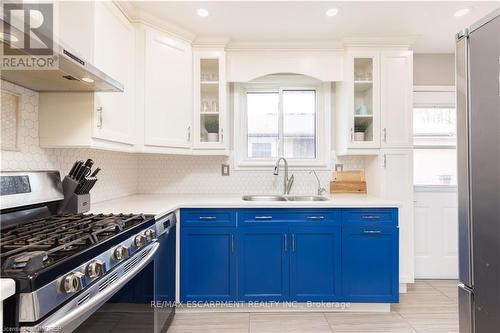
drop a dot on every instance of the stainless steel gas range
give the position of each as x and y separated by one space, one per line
82 272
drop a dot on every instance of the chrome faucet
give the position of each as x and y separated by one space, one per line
321 189
288 182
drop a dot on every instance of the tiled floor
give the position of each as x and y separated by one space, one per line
430 306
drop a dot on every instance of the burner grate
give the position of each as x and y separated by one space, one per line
58 237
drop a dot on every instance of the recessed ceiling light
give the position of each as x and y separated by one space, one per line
8 37
202 12
332 12
87 79
462 12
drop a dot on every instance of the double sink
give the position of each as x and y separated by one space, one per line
284 198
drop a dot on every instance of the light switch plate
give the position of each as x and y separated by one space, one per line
225 169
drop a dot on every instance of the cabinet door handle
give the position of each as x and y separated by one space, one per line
221 135
372 231
352 134
208 218
189 133
370 217
293 242
385 161
232 243
286 242
263 217
385 134
315 218
99 119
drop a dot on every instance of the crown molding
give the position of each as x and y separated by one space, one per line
211 42
135 15
394 41
327 45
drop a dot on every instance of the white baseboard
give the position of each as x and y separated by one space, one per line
285 307
403 288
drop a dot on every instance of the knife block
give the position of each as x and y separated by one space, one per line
73 203
78 203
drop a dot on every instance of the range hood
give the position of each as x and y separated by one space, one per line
70 74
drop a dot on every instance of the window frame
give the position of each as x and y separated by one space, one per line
279 83
433 97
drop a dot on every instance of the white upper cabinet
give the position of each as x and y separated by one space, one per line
358 103
396 98
210 94
74 25
167 91
114 55
374 102
96 120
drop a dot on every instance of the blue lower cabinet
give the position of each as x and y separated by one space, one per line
208 264
315 262
370 266
263 263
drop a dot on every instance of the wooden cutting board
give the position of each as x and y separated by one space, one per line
349 182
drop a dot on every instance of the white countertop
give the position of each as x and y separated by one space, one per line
161 204
7 288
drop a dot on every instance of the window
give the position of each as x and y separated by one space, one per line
281 119
435 139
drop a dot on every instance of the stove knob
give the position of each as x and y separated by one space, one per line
150 234
96 268
73 282
121 252
140 240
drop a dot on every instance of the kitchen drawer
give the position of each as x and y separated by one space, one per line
208 217
283 215
368 216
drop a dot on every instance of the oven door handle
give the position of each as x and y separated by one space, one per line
100 298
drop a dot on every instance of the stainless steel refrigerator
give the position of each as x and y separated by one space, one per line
478 118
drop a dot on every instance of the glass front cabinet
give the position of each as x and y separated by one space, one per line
210 99
359 102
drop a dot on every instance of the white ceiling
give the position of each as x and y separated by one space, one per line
432 23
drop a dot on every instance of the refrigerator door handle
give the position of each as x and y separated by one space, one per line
463 160
465 309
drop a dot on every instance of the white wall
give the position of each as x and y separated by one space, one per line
434 69
118 176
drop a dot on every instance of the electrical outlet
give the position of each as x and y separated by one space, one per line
225 169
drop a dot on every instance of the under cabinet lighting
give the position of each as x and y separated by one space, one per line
87 79
332 12
462 12
202 12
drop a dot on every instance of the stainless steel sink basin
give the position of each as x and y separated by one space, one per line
284 198
306 198
264 198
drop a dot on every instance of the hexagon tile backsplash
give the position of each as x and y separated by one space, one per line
119 170
121 174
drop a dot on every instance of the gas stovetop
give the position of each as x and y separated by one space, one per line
40 249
